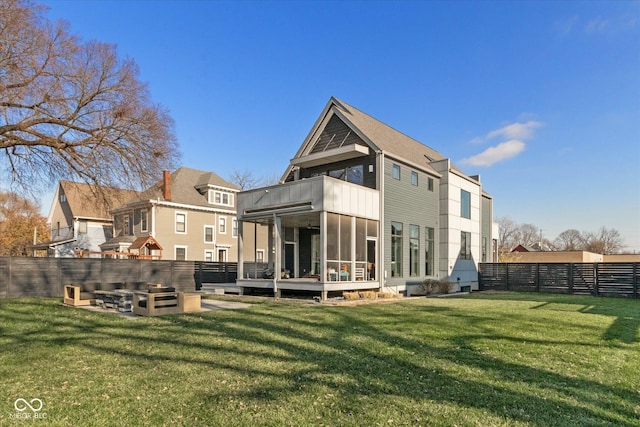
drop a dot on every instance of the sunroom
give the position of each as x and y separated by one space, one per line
323 236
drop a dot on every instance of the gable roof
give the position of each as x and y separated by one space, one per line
86 201
376 134
188 187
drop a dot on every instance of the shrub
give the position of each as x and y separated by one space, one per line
433 286
351 295
368 294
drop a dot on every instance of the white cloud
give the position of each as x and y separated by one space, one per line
515 130
597 25
500 152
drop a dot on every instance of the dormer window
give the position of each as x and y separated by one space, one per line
220 198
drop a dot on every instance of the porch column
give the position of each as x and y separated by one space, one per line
323 248
240 249
277 244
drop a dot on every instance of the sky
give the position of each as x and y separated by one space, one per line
541 98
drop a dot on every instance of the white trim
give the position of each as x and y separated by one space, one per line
226 254
222 219
234 227
144 212
211 252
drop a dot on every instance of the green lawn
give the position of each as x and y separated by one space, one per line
495 359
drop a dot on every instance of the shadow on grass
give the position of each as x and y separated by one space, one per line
378 352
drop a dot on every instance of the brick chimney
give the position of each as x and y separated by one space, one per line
166 185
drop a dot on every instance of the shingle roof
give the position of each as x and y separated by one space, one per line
386 138
184 187
88 202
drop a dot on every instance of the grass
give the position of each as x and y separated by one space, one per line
495 359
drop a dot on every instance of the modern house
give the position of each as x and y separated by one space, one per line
79 219
364 206
189 215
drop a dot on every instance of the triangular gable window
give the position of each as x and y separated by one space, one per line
335 134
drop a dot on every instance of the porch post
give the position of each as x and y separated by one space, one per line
323 248
277 243
240 249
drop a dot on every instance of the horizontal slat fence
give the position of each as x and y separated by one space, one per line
46 277
620 279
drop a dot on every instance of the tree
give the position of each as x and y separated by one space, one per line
245 180
19 217
569 240
605 241
74 110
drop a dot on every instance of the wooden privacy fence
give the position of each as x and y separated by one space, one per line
46 277
620 279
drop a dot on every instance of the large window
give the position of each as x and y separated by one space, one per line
353 174
484 249
465 245
429 245
396 249
342 232
465 204
414 250
181 222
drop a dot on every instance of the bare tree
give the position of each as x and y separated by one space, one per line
605 241
74 110
20 219
529 235
245 180
569 240
509 234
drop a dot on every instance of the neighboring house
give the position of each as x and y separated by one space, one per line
188 215
364 206
79 219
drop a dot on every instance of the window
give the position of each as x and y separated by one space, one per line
63 198
396 249
222 255
208 234
181 222
430 184
221 198
234 227
414 250
259 255
181 253
429 245
222 225
82 227
353 174
465 245
125 224
395 172
208 256
465 204
144 220
414 178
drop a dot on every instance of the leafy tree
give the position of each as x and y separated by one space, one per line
74 110
19 219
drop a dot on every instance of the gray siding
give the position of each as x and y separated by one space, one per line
409 204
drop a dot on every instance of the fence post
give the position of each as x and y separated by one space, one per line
595 278
506 285
538 277
636 294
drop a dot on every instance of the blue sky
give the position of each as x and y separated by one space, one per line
541 98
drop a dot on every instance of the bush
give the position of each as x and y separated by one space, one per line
433 286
